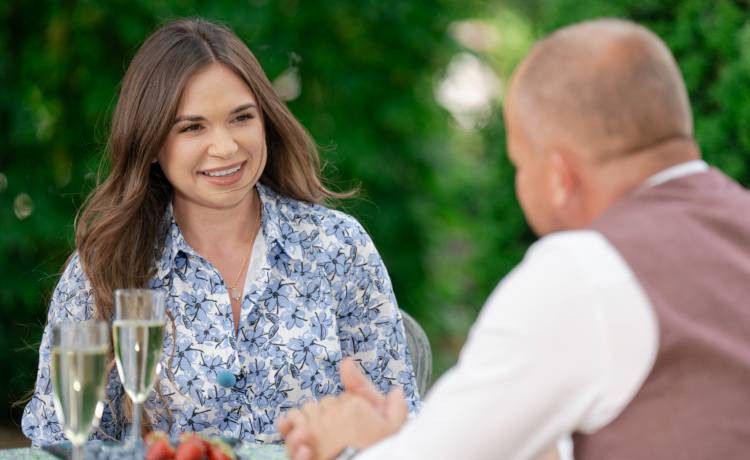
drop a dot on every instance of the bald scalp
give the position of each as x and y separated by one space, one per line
607 88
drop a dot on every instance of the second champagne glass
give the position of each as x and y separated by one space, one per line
138 331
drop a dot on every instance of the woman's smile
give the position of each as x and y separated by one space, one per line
225 175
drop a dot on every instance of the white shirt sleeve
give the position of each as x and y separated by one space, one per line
562 345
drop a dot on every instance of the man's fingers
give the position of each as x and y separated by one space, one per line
396 410
284 425
326 402
303 453
288 422
310 411
357 384
300 438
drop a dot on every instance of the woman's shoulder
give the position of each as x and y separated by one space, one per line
73 296
300 216
72 270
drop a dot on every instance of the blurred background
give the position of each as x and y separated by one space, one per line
403 98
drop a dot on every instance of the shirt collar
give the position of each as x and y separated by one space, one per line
271 213
674 172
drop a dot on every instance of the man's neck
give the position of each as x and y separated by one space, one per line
614 179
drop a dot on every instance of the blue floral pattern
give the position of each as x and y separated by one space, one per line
322 293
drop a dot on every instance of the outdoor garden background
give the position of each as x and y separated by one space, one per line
403 98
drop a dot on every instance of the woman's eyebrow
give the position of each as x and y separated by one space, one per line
242 107
188 118
237 109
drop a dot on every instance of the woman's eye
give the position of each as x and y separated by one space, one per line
193 127
244 117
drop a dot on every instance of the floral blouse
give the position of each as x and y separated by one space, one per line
320 292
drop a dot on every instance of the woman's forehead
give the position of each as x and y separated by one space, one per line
215 86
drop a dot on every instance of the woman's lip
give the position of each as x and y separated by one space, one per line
223 168
230 179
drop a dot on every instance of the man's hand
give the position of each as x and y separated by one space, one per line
359 418
356 384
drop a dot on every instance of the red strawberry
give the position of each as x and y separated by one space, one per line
193 436
160 450
192 447
158 447
219 450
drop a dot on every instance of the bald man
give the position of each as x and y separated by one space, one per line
627 323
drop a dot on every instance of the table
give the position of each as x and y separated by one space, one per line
245 452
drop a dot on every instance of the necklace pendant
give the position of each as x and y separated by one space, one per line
235 294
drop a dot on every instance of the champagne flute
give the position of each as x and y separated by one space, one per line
79 360
138 331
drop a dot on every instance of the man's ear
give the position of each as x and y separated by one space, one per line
562 180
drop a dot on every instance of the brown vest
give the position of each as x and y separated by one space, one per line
688 243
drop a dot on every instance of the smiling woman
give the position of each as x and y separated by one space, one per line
216 149
214 197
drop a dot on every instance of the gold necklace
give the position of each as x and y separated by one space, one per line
234 293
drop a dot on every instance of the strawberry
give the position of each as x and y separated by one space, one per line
158 447
192 447
193 436
160 450
219 450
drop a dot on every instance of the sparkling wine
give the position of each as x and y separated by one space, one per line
78 378
138 345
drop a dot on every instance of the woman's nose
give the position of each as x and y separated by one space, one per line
222 146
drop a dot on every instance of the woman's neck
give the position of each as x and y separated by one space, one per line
211 230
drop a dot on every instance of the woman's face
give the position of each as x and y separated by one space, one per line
216 150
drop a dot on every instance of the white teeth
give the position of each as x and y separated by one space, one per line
225 172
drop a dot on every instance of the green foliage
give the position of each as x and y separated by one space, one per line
438 199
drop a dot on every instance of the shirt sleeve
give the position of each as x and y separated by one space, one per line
72 300
539 361
369 323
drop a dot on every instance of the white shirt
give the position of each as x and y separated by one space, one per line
562 345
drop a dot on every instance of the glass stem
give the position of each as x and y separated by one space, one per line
136 428
77 452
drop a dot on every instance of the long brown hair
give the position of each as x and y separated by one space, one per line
118 228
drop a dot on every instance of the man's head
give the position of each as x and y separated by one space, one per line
594 109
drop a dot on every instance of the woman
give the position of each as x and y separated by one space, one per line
214 196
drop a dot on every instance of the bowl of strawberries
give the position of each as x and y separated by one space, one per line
191 446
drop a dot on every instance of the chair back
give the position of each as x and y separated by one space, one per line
421 353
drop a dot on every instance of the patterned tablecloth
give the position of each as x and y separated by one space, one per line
245 452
